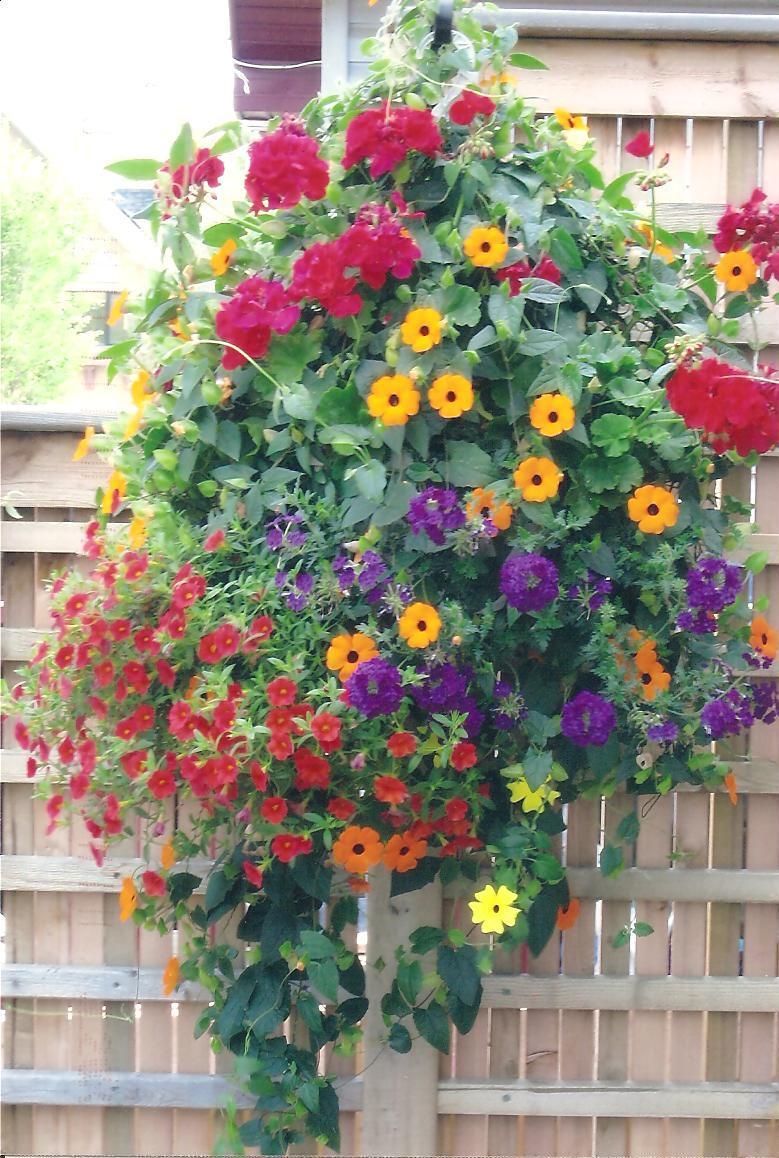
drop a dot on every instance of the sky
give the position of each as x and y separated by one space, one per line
91 82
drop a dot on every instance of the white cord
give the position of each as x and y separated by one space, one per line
278 67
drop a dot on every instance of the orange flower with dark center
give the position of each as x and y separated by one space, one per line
552 414
657 679
568 915
736 270
653 508
763 637
403 852
482 503
170 976
347 652
358 849
538 478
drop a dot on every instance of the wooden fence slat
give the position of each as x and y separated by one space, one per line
21 537
39 471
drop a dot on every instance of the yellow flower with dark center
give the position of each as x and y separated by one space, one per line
538 478
736 270
347 652
763 637
393 399
451 395
653 508
482 504
117 309
568 120
421 329
552 414
532 799
220 261
84 444
128 899
419 625
653 680
486 246
494 909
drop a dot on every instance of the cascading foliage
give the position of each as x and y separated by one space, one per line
424 544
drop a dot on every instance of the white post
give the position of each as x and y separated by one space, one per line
400 1091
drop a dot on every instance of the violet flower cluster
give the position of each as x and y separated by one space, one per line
435 511
530 582
712 585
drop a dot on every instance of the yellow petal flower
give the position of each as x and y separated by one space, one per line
486 246
538 478
117 309
170 976
494 909
421 329
347 652
134 422
128 899
552 414
116 485
736 270
451 395
83 447
569 121
220 260
419 625
576 139
167 856
138 389
137 532
393 399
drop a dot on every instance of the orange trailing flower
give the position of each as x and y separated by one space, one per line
451 395
347 652
358 849
167 856
170 976
220 261
136 532
117 308
647 234
568 120
736 270
84 445
652 676
763 637
552 414
730 785
138 389
486 246
421 329
393 399
538 478
115 490
128 899
359 886
482 503
403 852
419 625
654 509
568 915
390 790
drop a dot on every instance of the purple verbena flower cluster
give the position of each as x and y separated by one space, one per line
375 688
284 531
511 708
664 733
529 581
302 585
588 719
727 716
593 592
435 511
447 689
369 572
712 585
765 701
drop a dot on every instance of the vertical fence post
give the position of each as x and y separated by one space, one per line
400 1091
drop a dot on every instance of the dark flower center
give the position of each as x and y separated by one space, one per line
764 638
358 849
486 246
352 656
393 400
736 270
553 416
404 851
424 331
451 396
646 678
536 480
496 908
421 625
653 509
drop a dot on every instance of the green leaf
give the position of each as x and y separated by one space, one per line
217 235
340 405
353 1010
628 828
308 1094
415 878
467 465
289 355
228 440
181 886
542 342
370 480
612 861
463 1015
537 289
457 969
537 766
525 60
604 474
323 976
615 190
425 938
613 432
182 151
396 503
643 929
542 916
409 979
316 945
433 1024
399 1039
487 336
137 169
270 1002
324 1123
461 305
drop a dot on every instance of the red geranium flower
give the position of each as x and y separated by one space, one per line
640 145
259 776
257 310
285 166
464 756
281 692
378 244
214 541
166 673
735 410
326 728
153 884
286 846
253 873
387 135
341 808
469 105
402 744
161 783
318 276
280 746
313 771
390 790
516 273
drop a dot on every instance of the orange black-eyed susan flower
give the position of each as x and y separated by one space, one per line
763 637
358 849
167 856
568 120
451 395
552 414
393 399
115 490
419 625
647 234
486 246
403 852
170 976
346 652
220 261
421 329
568 915
128 899
483 503
653 508
538 479
655 679
84 444
736 270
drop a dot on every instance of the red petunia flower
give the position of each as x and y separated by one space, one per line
257 310
456 808
161 783
390 790
166 673
464 755
259 776
134 763
224 716
136 677
64 656
144 717
326 728
280 746
103 673
127 728
187 591
253 873
120 629
257 632
286 846
136 565
470 105
53 808
402 744
640 145
145 639
214 541
284 167
312 771
386 136
341 808
281 692
153 884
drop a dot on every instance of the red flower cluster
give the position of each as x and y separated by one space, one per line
470 105
318 275
386 136
285 166
187 179
378 244
640 145
755 226
257 310
735 410
516 273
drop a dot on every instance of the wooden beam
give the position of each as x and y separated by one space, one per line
752 543
38 471
73 874
521 991
18 643
26 537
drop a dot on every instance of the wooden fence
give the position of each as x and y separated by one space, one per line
664 1046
